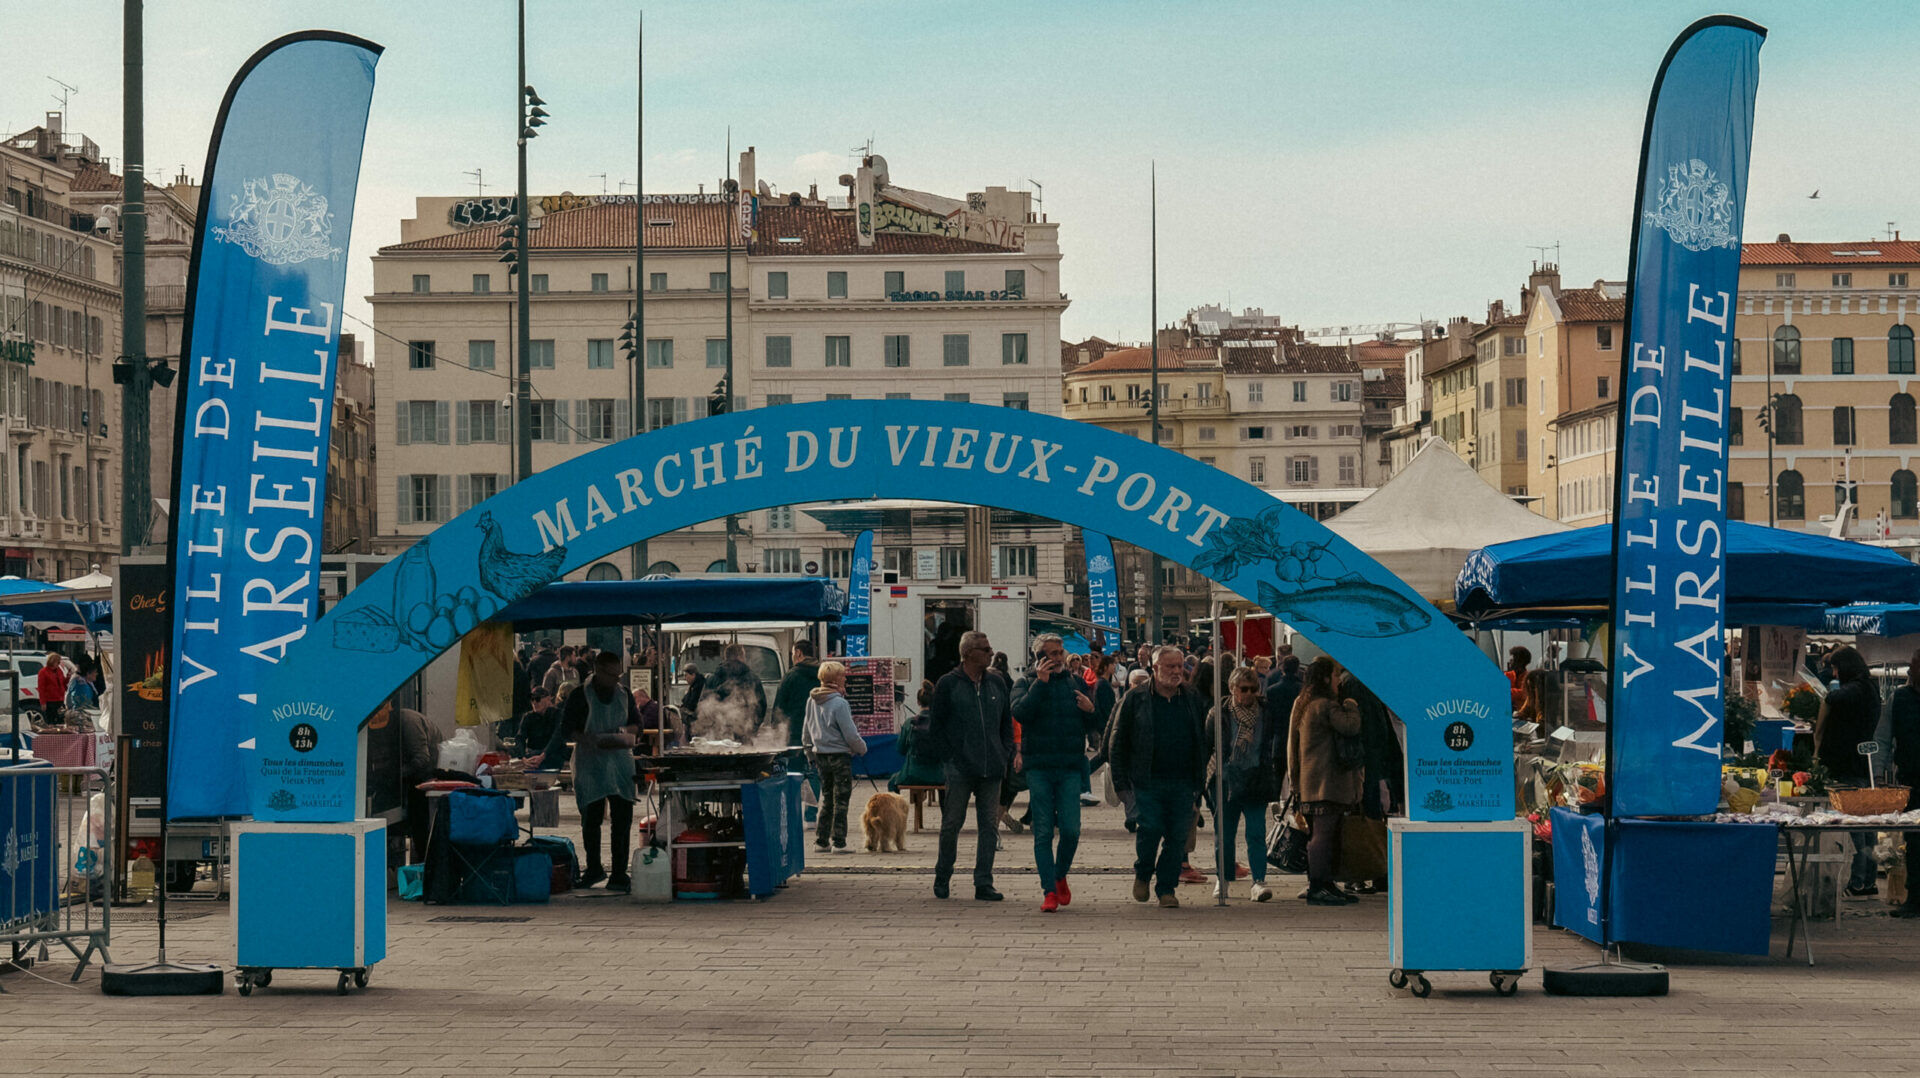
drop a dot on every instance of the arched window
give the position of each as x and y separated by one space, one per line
717 566
1736 357
603 570
1786 350
1906 495
1900 425
1900 350
661 567
1787 429
1790 496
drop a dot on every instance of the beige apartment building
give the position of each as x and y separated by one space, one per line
938 299
1573 368
1826 331
59 335
1500 366
1452 372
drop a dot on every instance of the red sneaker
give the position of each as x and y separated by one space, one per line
1061 891
1190 874
1240 871
1050 903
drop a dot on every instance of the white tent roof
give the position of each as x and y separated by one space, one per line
1425 521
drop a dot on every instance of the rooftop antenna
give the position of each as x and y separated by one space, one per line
66 92
865 151
1039 198
1892 233
603 180
624 184
479 182
1540 251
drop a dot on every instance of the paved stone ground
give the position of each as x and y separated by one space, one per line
855 969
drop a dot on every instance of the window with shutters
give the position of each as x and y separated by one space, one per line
837 562
480 355
423 499
777 285
1299 392
42 490
1302 471
480 487
1299 430
896 282
1256 469
540 355
780 518
422 422
666 411
422 284
1349 471
483 421
780 559
1486 395
1013 349
1017 401
716 352
597 282
659 354
420 355
953 562
839 352
836 284
1343 391
600 355
599 424
482 284
544 423
1256 392
897 350
953 350
779 351
1014 562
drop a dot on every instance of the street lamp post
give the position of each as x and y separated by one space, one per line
1153 384
531 116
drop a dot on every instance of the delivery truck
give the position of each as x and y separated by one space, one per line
921 623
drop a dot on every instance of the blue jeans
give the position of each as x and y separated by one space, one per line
1055 798
1256 817
1160 841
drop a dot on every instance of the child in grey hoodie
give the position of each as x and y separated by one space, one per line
830 738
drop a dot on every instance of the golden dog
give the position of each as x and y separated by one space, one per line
885 821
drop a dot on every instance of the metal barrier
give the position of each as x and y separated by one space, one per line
56 881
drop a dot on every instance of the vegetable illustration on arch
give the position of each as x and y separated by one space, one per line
1315 589
430 620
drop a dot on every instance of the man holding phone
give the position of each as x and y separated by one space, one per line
1056 716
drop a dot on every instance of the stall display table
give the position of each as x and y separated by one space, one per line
84 749
1799 840
446 869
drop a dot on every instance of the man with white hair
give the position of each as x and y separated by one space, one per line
1159 752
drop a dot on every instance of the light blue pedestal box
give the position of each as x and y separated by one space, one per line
1462 896
310 895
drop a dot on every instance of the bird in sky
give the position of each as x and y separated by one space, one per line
1816 193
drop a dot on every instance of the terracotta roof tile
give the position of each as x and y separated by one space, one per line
1848 253
1588 305
1140 359
698 226
1299 357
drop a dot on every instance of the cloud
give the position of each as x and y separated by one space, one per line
678 157
820 163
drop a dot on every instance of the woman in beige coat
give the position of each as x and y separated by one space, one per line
1327 791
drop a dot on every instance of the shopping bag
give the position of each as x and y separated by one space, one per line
409 880
1286 844
1363 849
481 817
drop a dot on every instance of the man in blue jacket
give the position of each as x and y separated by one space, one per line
1056 716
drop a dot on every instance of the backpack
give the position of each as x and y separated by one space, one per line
927 748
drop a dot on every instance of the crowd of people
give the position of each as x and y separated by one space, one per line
1312 737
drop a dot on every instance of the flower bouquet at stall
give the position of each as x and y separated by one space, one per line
1802 702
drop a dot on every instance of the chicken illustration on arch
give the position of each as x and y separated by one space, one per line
426 619
1315 589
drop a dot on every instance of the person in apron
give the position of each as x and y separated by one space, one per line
604 723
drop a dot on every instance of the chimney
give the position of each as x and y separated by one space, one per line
1784 238
1545 274
813 192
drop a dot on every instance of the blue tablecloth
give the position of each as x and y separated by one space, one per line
1700 886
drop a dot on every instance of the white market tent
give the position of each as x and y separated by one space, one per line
1425 521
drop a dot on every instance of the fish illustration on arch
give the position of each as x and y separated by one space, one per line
1323 593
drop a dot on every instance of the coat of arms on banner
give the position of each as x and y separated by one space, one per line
280 221
1694 207
1100 564
1591 858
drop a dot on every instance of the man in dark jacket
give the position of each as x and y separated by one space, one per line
972 723
1283 688
1056 717
790 703
1160 752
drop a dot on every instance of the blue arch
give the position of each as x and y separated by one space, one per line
1225 529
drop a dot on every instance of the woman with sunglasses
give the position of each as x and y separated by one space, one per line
1252 779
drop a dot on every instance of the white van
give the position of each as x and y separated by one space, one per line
29 664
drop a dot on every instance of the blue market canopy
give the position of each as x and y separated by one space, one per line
1873 619
742 597
49 606
1787 570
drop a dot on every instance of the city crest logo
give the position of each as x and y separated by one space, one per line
1694 207
281 222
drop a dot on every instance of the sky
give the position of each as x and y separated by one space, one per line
1332 163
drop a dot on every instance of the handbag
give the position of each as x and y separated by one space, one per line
1286 844
1363 849
481 817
